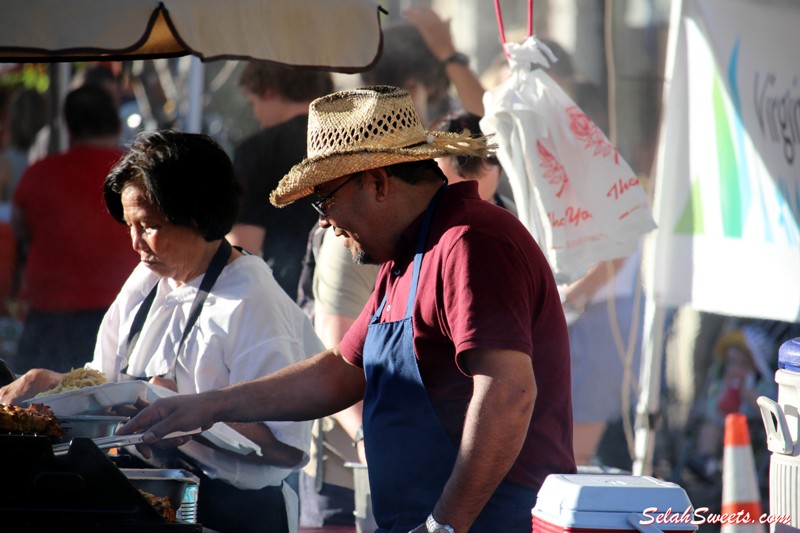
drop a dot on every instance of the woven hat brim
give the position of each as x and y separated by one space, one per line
311 172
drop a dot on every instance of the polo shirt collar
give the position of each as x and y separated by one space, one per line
404 252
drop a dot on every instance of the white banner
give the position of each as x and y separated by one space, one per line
728 182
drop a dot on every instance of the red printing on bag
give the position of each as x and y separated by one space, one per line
573 216
588 132
554 172
621 186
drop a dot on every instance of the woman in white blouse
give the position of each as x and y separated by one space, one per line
197 314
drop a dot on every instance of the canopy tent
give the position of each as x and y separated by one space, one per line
338 35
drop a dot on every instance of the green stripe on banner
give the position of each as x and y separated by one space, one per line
730 194
691 220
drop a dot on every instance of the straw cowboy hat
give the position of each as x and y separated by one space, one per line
362 129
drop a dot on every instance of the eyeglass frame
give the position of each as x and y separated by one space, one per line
318 204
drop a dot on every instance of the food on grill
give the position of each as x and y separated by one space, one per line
36 419
160 504
77 378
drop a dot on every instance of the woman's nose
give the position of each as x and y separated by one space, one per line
137 239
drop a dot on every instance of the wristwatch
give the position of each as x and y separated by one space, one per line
435 527
457 57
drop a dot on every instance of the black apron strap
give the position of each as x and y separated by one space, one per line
138 322
215 268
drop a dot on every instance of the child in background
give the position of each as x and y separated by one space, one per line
741 372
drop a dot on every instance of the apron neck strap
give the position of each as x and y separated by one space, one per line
420 250
215 268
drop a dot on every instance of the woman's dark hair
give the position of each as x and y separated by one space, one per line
466 166
187 176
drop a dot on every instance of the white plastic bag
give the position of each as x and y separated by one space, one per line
573 191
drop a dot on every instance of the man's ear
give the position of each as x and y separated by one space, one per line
380 179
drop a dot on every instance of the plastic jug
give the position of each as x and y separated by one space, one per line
782 423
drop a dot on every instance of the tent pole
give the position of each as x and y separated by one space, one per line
194 121
652 362
650 387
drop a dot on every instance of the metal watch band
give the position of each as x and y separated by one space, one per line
435 527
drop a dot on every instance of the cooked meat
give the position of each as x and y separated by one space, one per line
160 504
37 419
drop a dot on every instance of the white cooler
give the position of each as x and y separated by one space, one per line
589 503
782 422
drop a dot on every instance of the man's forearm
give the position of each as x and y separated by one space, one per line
314 388
494 431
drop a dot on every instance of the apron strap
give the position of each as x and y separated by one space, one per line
138 322
420 251
215 268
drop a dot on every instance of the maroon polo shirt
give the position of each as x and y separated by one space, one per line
484 283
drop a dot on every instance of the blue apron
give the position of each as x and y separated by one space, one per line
410 454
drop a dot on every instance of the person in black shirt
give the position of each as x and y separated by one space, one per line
279 97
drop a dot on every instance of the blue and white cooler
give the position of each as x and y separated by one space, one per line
592 503
782 422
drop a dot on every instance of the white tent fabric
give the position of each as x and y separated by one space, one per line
340 35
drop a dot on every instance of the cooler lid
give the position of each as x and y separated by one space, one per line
565 494
789 355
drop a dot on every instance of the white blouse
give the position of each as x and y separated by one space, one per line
248 328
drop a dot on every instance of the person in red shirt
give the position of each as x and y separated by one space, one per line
461 354
77 256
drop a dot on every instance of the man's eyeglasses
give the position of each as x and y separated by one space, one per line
320 205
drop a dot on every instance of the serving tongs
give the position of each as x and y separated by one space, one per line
117 441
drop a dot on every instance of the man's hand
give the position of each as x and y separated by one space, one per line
167 415
29 385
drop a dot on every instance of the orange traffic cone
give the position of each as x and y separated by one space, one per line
740 495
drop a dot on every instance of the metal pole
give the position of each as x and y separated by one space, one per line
650 385
194 121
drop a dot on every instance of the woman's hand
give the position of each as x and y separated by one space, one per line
164 382
29 385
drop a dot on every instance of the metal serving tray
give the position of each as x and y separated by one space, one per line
118 441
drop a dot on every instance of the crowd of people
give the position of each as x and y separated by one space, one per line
351 286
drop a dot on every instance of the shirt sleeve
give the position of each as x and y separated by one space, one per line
352 345
488 293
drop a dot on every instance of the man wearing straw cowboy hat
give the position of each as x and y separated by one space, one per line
461 354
